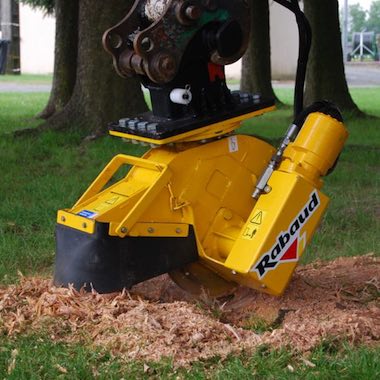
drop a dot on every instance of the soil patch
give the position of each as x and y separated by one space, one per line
338 299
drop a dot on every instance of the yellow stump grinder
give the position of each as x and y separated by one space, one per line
210 207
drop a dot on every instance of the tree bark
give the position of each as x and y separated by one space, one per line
256 65
99 95
65 56
325 77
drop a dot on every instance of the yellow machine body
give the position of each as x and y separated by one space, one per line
208 187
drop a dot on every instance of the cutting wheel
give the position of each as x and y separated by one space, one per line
197 279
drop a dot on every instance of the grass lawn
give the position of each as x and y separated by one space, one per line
18 110
44 173
27 78
52 361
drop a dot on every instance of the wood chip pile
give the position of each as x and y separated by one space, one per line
338 299
127 326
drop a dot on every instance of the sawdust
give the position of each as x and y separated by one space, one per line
122 323
339 300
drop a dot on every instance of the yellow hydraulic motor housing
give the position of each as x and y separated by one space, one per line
203 192
211 208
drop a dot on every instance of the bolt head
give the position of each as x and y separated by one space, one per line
124 230
151 230
167 63
227 215
193 12
178 231
163 67
63 219
267 189
84 225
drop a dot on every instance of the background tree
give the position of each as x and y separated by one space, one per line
46 5
256 63
325 75
358 18
66 50
65 55
86 89
373 22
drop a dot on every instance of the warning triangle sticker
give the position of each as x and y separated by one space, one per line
258 218
291 253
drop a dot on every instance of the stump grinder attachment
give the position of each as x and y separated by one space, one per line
210 207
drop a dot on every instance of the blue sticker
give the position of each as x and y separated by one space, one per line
87 214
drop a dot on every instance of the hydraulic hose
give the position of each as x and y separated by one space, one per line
305 35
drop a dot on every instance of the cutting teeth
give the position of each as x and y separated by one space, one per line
197 279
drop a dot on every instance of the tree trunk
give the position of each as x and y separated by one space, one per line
65 56
256 65
325 75
99 95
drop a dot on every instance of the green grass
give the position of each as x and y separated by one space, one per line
27 78
18 110
37 357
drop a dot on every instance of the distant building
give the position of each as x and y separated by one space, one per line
10 35
284 42
31 35
37 33
284 45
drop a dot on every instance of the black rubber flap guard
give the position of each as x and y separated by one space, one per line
109 264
